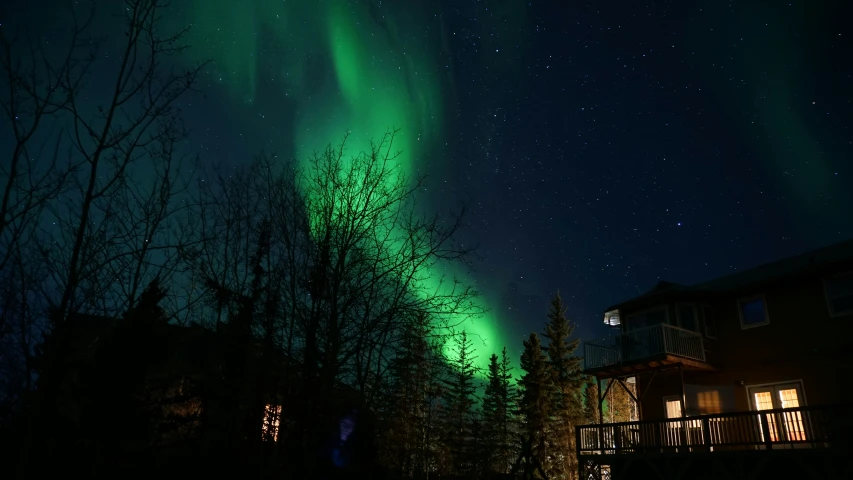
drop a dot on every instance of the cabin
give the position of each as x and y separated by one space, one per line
173 393
741 376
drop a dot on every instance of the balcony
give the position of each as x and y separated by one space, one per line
664 343
790 428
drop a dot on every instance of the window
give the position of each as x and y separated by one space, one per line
787 426
753 312
673 407
611 318
709 402
687 317
709 321
272 420
839 294
682 432
648 318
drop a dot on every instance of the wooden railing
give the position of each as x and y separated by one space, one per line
643 343
802 427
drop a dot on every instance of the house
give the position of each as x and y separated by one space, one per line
741 376
148 394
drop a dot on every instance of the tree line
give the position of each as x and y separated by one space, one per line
316 277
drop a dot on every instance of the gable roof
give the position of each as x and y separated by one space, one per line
812 263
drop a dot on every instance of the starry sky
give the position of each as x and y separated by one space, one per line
600 145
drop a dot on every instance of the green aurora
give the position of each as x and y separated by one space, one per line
760 89
343 67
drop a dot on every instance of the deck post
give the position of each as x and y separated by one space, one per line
683 395
684 425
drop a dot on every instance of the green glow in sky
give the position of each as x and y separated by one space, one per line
344 67
760 89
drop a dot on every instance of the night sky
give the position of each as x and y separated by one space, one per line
601 146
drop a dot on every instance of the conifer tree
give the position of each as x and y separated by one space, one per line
535 399
460 390
498 406
565 372
411 408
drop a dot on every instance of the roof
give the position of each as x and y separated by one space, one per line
815 262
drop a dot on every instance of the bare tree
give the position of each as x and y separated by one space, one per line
32 175
328 264
35 91
372 268
112 212
105 221
374 261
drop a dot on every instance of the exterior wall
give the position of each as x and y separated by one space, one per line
802 342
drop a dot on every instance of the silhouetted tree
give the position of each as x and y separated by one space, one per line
411 427
536 394
460 400
498 427
106 238
347 270
565 371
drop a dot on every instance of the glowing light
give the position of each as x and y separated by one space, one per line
272 420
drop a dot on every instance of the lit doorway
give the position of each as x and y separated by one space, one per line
783 426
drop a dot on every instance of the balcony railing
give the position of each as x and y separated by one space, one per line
643 343
802 427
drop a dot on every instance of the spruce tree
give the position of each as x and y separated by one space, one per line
565 373
535 399
508 431
497 415
459 417
409 412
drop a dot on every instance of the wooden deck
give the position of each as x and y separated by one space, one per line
802 427
804 442
645 349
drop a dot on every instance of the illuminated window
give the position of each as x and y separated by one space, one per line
673 408
611 318
272 419
793 420
783 425
764 401
672 434
710 402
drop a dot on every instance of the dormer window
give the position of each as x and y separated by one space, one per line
611 318
839 294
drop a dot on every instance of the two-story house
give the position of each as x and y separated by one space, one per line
742 376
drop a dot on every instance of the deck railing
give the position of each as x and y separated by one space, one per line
802 427
643 343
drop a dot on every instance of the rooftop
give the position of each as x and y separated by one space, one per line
809 263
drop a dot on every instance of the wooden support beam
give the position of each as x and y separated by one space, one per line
621 382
